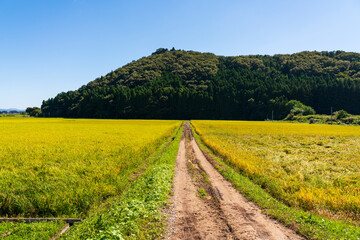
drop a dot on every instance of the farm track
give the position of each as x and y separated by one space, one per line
221 212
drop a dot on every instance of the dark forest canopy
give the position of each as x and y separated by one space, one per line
175 84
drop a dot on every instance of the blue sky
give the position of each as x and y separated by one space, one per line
50 46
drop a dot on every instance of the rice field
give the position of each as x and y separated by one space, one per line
312 167
65 167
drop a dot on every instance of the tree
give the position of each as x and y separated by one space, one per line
298 108
160 50
342 114
33 111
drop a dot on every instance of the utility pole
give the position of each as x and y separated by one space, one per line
272 115
331 115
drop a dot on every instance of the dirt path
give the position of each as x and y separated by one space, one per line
206 206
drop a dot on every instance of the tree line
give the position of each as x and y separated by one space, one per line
190 85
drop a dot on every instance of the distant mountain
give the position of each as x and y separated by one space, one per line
192 85
11 109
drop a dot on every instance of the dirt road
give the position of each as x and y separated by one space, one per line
206 206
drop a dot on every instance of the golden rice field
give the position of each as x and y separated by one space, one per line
64 167
314 167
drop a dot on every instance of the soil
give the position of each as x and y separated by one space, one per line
206 206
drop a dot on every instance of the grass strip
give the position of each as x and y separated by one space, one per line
137 213
36 230
309 225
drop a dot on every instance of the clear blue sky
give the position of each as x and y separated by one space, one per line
50 46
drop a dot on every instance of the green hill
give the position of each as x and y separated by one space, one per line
179 84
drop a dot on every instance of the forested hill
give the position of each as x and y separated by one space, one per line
175 84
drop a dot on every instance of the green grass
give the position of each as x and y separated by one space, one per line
307 224
38 230
202 192
14 115
137 213
325 119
